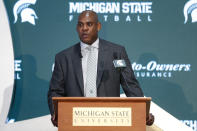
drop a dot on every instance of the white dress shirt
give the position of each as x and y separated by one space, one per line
85 52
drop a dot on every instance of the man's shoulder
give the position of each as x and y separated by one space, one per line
68 50
111 44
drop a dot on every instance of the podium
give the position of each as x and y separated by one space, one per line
101 113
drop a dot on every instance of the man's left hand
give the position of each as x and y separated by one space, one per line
150 119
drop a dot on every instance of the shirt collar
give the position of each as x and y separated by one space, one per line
95 45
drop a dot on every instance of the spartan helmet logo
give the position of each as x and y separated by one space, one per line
120 63
27 14
190 8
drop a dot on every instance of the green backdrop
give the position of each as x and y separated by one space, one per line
161 48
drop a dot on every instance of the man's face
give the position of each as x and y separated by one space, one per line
88 27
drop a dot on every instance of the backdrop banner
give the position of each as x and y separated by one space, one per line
159 36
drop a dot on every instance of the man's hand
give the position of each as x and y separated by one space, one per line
54 120
150 119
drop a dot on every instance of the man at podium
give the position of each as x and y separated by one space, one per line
92 68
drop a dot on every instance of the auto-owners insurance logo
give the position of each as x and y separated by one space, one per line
126 11
153 69
27 14
190 8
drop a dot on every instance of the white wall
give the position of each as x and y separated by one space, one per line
6 65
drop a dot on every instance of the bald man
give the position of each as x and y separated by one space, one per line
86 69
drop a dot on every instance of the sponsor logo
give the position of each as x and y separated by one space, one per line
17 69
110 11
154 69
27 14
190 8
191 123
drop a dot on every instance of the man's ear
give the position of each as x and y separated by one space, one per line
99 26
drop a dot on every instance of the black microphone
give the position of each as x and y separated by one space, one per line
115 55
120 64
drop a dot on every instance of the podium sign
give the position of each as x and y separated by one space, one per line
101 116
101 113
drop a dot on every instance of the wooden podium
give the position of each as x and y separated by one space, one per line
101 113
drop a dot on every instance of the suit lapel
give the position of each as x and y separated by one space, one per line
101 62
78 66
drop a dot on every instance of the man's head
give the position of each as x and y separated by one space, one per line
88 26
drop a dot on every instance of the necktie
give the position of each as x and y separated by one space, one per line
91 74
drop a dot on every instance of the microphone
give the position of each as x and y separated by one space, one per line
115 55
120 64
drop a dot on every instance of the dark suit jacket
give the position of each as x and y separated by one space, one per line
67 78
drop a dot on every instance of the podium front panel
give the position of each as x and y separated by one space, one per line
65 120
